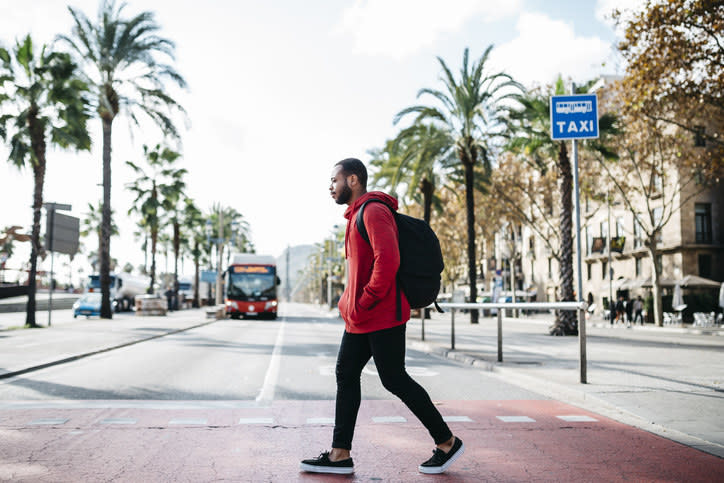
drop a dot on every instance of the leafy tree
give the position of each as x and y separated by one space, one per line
41 102
674 52
120 59
469 110
156 188
658 171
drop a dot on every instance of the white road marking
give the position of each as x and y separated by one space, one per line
119 421
578 419
189 422
516 419
266 394
256 421
389 419
457 419
49 421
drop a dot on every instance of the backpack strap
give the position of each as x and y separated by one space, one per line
360 224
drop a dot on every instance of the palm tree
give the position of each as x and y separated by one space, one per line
413 158
155 188
469 110
529 128
120 59
173 203
42 100
92 223
194 224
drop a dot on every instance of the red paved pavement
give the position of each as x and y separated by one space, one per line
266 444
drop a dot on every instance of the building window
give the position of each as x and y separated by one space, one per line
702 214
637 231
589 241
659 263
604 229
532 271
588 271
638 267
619 226
657 183
550 268
604 267
705 266
658 216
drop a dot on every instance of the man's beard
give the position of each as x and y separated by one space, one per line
344 195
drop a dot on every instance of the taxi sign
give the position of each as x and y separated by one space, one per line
574 117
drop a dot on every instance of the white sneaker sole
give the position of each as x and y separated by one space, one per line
434 470
337 470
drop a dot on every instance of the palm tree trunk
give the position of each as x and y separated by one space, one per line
38 145
565 323
105 248
154 239
470 210
195 303
427 189
39 174
176 247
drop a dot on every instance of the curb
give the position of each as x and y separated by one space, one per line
575 397
19 372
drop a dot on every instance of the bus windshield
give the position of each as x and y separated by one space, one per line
252 286
95 281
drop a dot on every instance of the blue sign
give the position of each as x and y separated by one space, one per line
208 276
574 117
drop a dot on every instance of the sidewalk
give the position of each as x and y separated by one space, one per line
24 350
668 381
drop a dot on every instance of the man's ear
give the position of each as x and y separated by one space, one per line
353 180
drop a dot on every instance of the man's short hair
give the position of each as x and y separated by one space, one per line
354 166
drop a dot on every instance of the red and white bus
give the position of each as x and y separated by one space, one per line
251 286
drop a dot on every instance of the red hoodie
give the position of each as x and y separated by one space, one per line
368 303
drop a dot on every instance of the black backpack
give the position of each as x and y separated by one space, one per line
420 259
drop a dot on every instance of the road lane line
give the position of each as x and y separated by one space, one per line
516 419
266 394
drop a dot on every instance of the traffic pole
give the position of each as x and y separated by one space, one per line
581 313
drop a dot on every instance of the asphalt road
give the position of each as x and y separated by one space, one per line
292 358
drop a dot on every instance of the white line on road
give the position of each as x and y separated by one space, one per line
266 395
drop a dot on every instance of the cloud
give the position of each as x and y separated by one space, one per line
402 27
545 48
604 8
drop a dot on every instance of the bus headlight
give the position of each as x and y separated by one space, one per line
269 305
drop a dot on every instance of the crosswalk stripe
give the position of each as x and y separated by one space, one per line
389 419
577 418
119 421
49 421
457 419
256 421
516 419
189 422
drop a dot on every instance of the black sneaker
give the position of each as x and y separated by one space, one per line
441 460
322 464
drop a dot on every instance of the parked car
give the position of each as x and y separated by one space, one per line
89 304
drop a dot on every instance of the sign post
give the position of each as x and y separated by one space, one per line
576 117
61 235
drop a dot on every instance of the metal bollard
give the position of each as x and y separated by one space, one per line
452 329
500 335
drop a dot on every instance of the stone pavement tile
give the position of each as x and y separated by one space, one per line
548 450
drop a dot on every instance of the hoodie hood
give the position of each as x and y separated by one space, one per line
377 195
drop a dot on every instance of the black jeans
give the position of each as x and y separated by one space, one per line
387 347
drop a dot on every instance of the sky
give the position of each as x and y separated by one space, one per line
278 91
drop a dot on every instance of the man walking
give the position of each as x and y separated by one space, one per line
372 329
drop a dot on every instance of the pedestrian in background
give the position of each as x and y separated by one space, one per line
372 329
620 309
638 307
